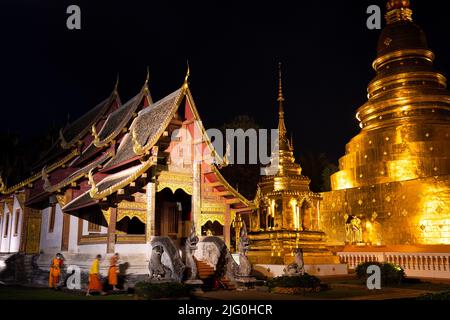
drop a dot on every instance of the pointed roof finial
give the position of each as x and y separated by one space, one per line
186 78
280 84
148 75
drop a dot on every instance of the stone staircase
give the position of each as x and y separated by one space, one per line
207 273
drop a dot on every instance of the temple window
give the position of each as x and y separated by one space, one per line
95 221
16 223
5 234
51 218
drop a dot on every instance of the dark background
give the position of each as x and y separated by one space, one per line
51 75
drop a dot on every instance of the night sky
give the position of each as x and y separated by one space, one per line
48 71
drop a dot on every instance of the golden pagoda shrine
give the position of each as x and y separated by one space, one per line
393 186
288 211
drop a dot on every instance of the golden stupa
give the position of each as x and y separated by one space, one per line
288 211
393 186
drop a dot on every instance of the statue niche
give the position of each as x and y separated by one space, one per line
305 215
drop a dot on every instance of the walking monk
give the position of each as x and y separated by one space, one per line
95 284
112 273
55 271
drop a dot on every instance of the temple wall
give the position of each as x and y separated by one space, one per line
73 234
51 241
4 246
15 237
11 242
396 213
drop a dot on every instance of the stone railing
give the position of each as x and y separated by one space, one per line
426 265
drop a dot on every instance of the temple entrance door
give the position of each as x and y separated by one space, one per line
169 220
33 235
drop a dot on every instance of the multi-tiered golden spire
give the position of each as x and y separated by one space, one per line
281 125
405 120
282 132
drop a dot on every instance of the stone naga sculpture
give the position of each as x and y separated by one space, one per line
245 267
298 267
191 246
157 269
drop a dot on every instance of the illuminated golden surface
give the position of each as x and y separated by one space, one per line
394 175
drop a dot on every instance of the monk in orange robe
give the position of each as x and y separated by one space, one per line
95 284
55 271
112 272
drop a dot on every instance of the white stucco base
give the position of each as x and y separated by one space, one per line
277 270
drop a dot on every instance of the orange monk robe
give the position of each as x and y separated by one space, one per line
94 277
55 273
112 273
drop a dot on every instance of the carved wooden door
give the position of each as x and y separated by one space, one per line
169 221
33 235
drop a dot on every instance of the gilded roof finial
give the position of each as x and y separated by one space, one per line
94 190
280 84
64 143
148 75
2 184
186 78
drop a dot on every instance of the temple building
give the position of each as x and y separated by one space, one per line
116 178
288 212
393 183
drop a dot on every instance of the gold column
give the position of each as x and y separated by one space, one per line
111 245
150 228
196 196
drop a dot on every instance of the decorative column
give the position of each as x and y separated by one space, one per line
226 227
197 197
111 245
318 215
150 227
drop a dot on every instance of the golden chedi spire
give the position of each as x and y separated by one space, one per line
407 115
282 156
282 132
398 10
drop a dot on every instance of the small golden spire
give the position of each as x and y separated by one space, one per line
280 84
186 78
281 125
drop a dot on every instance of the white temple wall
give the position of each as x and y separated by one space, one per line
4 246
15 237
51 241
73 234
